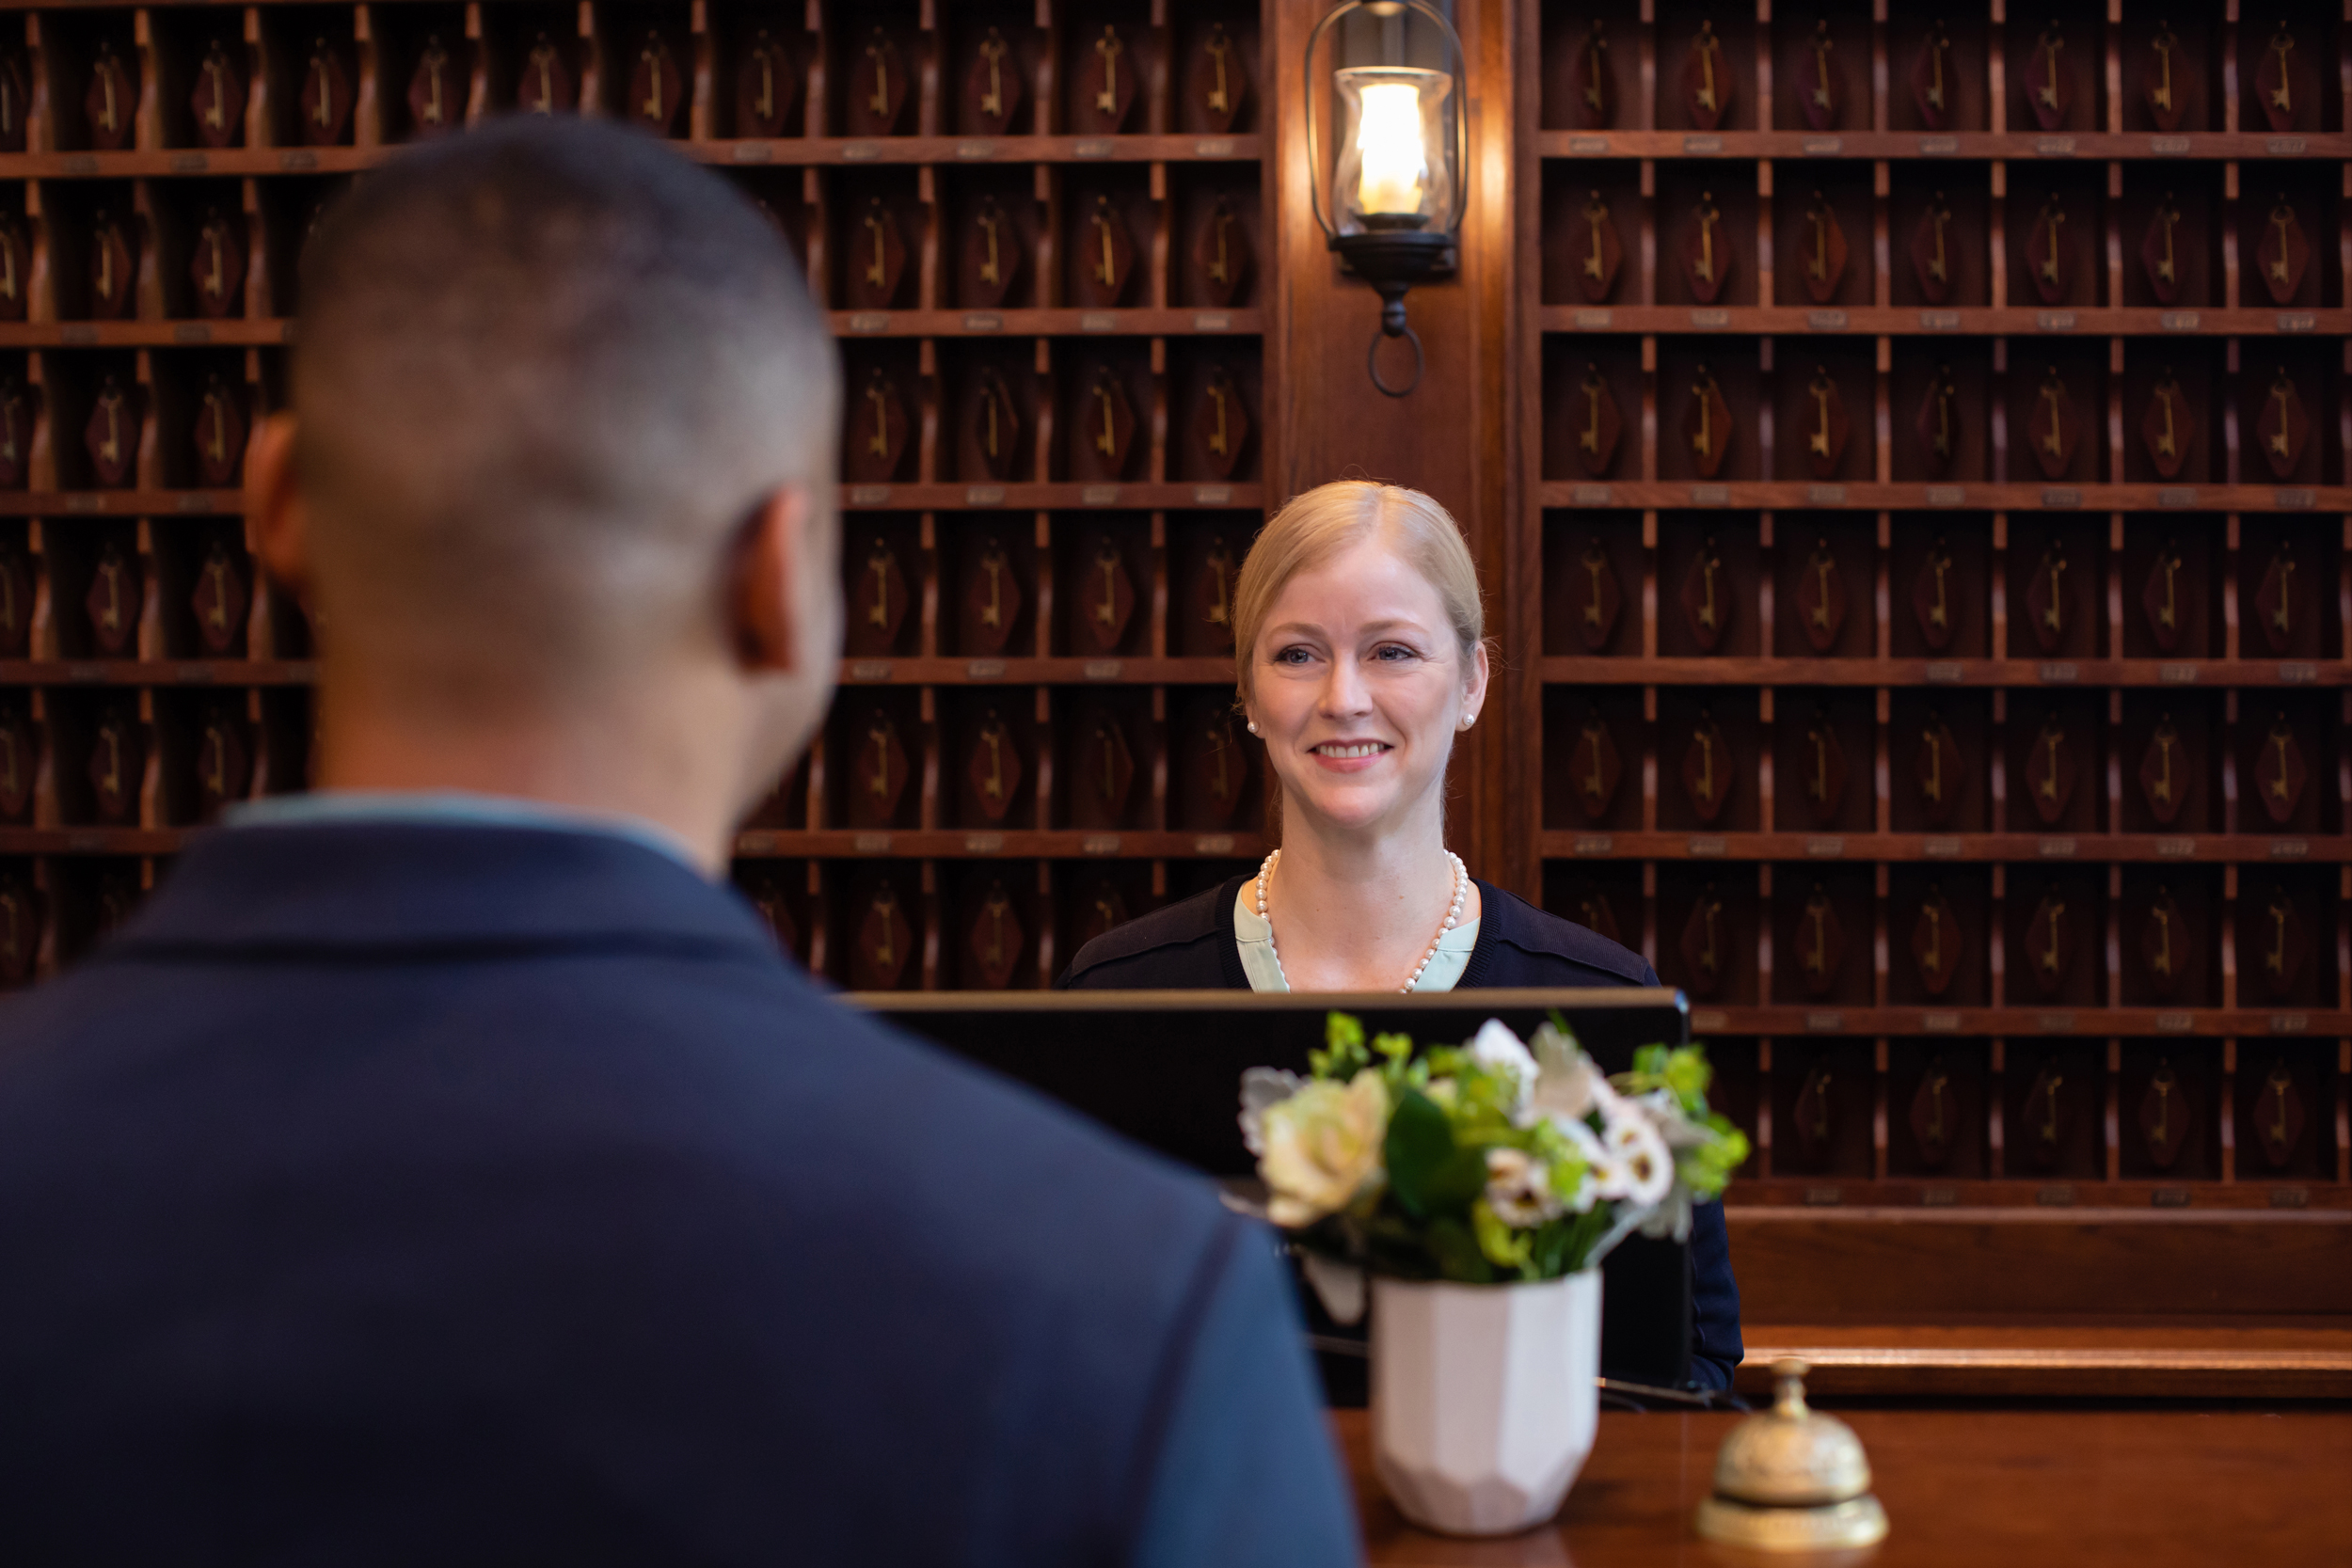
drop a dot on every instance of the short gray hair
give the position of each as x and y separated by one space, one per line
543 375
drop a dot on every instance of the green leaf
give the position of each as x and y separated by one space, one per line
1419 1142
1457 1253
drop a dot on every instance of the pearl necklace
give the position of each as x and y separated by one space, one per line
1452 917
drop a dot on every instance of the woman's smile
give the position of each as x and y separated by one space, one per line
1350 756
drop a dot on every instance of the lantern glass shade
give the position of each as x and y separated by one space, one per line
1396 149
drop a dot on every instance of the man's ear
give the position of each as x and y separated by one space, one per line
770 558
282 518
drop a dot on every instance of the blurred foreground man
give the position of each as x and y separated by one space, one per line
444 1168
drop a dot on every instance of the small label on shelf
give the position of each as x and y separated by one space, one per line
77 332
2179 321
1948 495
81 163
1710 495
1212 844
189 162
983 844
2297 321
2054 320
1939 320
871 844
1214 146
86 843
1595 844
2175 1023
984 670
2179 675
2054 146
870 321
1825 495
1100 844
194 674
1710 318
1940 1023
2169 1197
1938 1196
2055 1024
1825 321
2062 499
870 669
1708 845
752 153
2056 1194
754 843
2176 848
2176 494
1588 146
1938 147
2290 848
84 501
1102 669
2060 674
203 500
1709 1020
983 494
2168 146
1099 320
869 495
1594 321
976 151
1211 495
1692 146
2294 500
2298 675
860 152
1824 1019
2055 849
1824 147
1589 495
1829 847
2286 146
1944 672
85 671
1212 321
2289 1197
1939 848
2290 1023
1824 1197
1100 495
191 332
1093 147
983 321
298 161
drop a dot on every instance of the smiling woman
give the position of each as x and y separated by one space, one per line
1360 653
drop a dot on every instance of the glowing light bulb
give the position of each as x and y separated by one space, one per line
1388 139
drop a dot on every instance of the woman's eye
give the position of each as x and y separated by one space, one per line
1292 655
1394 651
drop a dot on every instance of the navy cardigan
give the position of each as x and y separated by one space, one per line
1189 945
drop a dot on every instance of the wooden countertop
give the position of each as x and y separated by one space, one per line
2016 1489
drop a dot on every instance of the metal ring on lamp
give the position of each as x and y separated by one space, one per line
1371 362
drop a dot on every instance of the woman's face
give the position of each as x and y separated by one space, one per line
1359 687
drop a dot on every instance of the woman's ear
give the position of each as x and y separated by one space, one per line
1474 694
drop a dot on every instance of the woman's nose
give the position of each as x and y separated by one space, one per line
1345 691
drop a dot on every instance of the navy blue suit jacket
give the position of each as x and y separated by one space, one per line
411 1194
1189 946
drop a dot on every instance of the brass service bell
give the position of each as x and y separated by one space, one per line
1791 1479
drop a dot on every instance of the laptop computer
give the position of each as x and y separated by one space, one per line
1164 1069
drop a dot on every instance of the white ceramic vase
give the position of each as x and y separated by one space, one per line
1483 1399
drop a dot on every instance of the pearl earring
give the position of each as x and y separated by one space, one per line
1253 726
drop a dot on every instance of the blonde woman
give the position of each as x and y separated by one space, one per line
1359 656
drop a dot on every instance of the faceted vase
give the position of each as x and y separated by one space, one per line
1483 1399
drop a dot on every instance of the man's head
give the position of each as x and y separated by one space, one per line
562 449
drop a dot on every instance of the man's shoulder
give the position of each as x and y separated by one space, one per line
1169 949
1540 935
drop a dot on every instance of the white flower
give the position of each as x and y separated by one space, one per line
1635 1147
1518 1188
1497 1049
1567 1082
1606 1178
1321 1147
1262 1087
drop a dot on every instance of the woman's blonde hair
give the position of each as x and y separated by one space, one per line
1321 522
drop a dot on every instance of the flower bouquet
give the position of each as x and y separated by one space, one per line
1480 1186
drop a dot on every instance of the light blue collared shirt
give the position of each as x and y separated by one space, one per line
452 808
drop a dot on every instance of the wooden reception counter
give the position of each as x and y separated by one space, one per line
2135 1488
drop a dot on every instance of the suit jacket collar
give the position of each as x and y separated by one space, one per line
387 887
